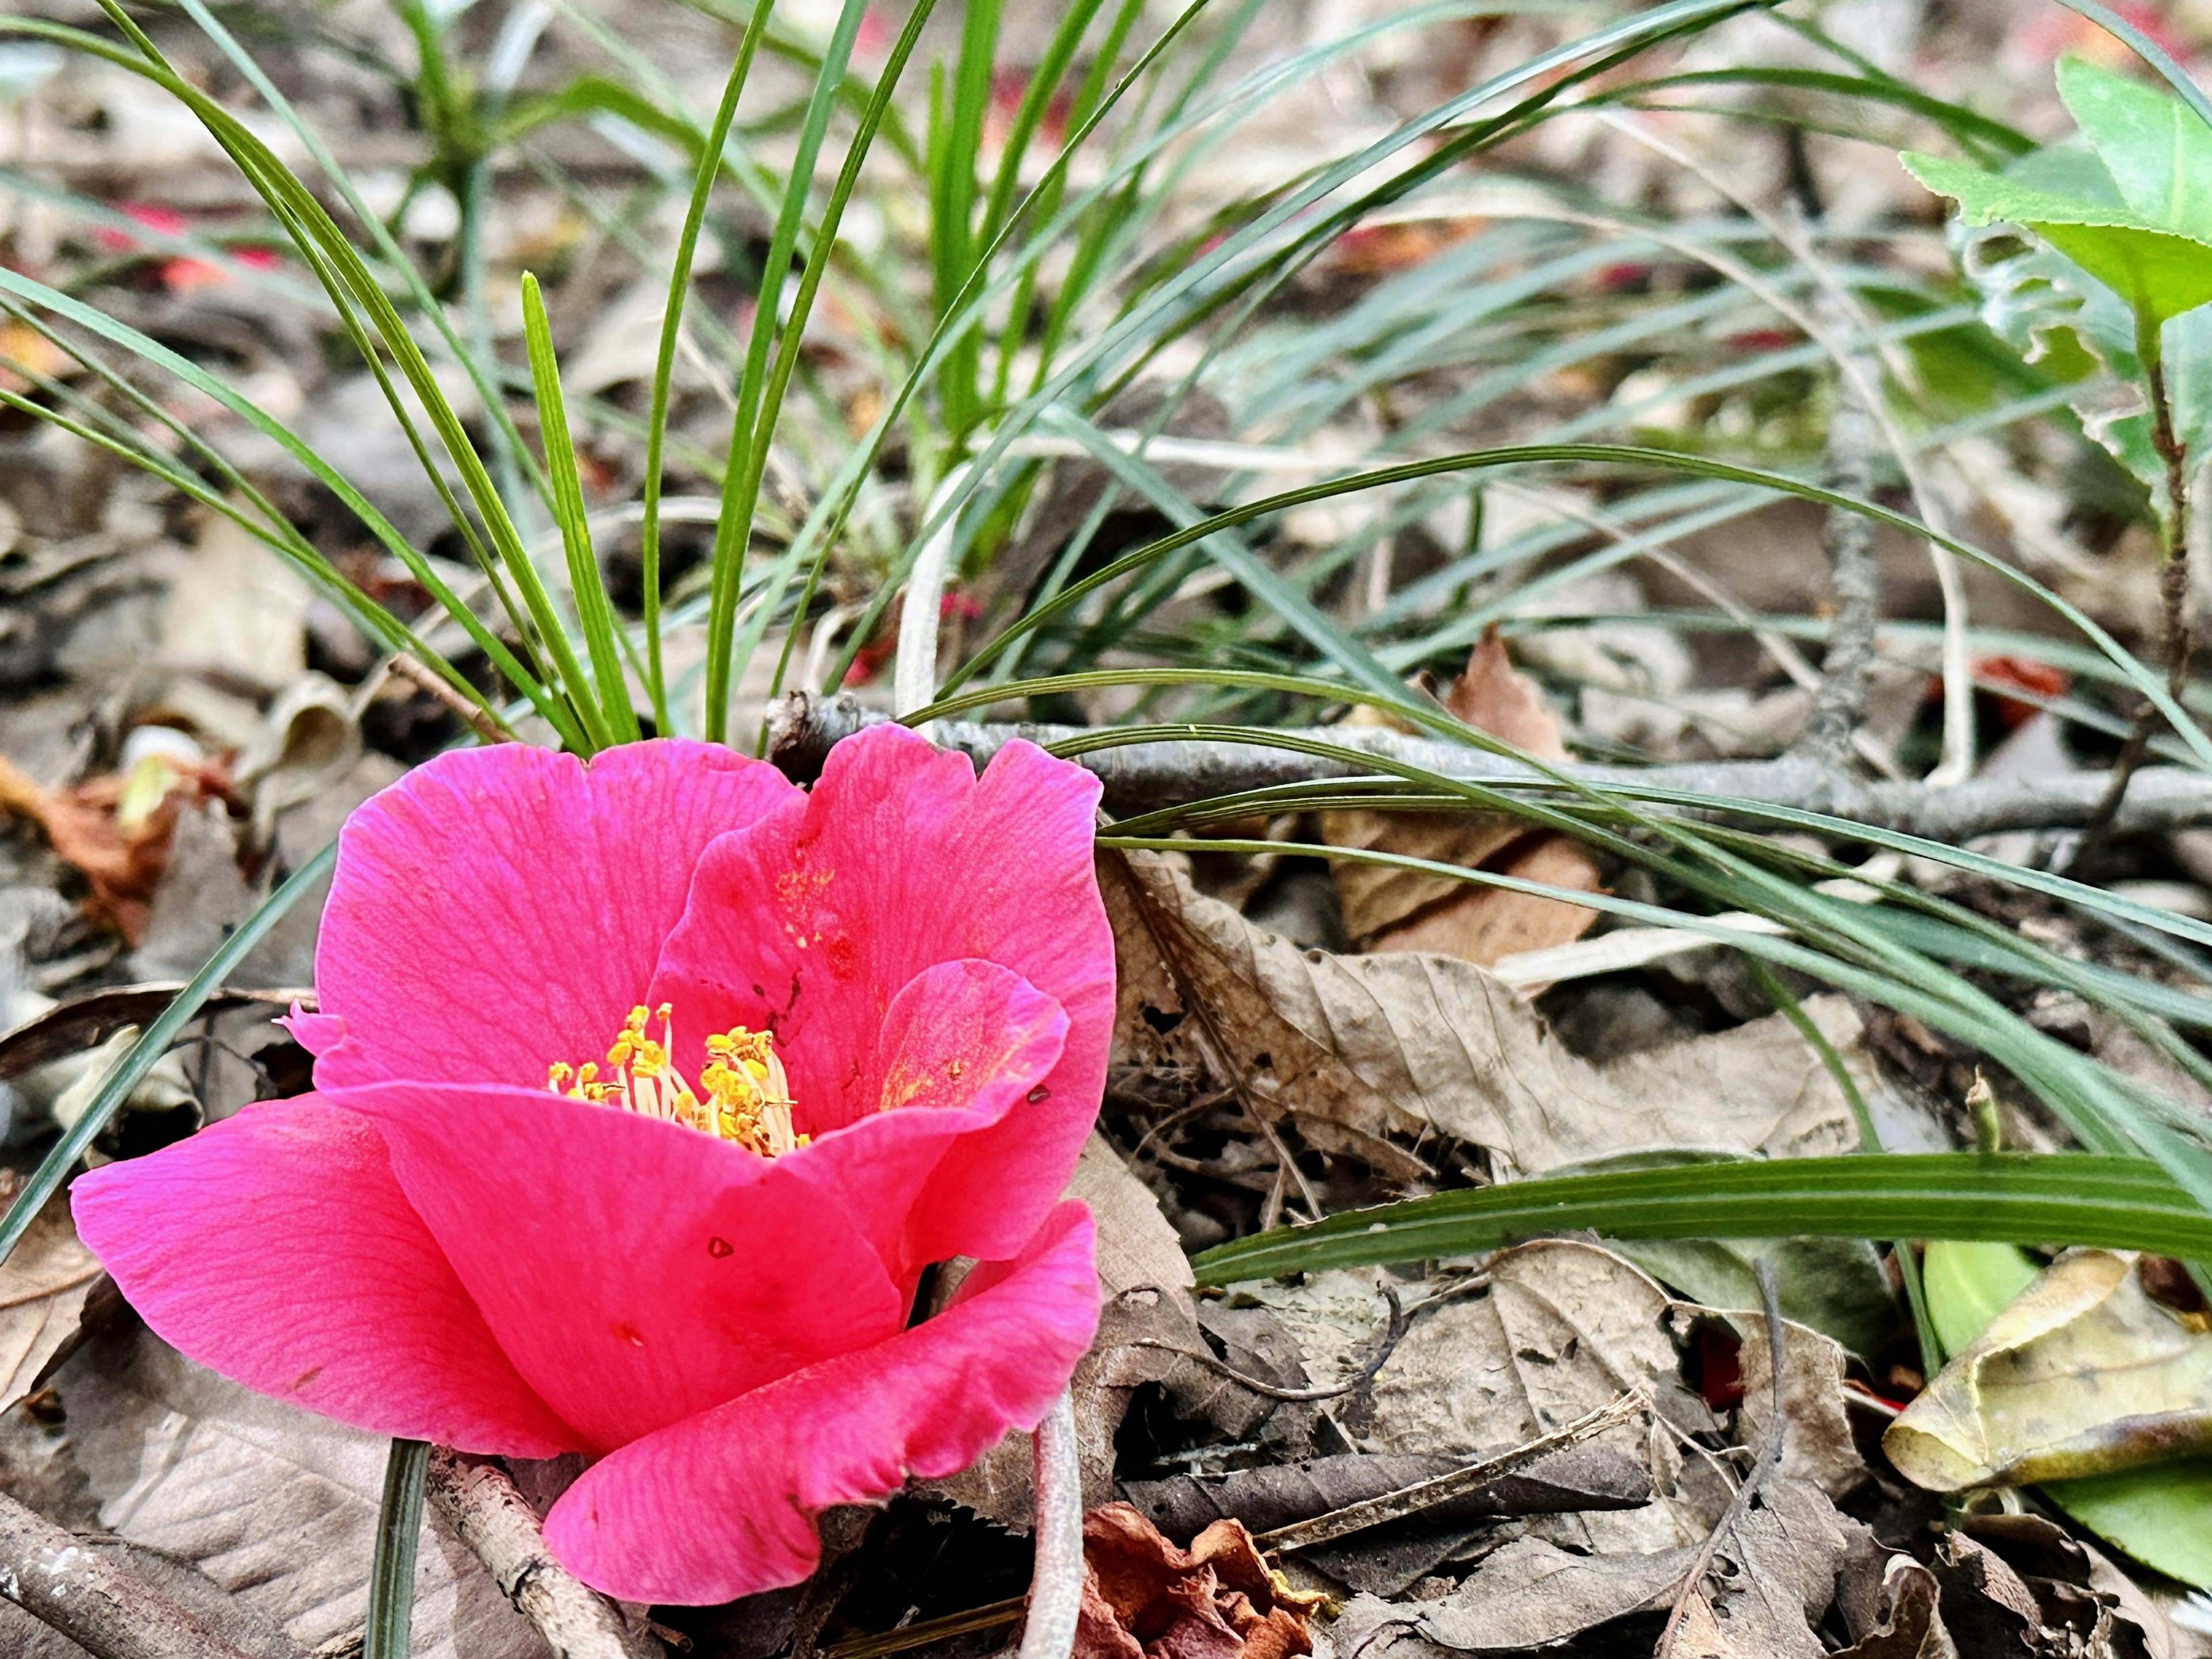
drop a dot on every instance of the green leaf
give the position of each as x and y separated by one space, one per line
2122 1203
2160 1513
2160 272
1968 1285
389 1634
2157 149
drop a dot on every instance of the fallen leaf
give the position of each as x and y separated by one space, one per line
1818 1446
2160 1513
1360 1048
1529 1593
2082 1374
44 1287
1389 909
1775 1574
1563 1328
1896 1615
1143 1598
277 1507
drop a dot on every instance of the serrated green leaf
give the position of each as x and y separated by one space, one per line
2160 272
2122 1203
2156 149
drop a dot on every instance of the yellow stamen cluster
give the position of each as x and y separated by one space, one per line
747 1097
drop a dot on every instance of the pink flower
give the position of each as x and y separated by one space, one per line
887 1005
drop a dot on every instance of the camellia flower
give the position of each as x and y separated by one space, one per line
646 1090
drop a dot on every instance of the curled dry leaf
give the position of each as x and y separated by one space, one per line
1359 1049
1818 1446
1143 1598
1527 1594
115 831
2084 1373
43 1287
1397 909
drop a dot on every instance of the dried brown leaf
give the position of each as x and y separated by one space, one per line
1143 1598
43 1287
277 1507
1388 908
1781 1557
1360 1048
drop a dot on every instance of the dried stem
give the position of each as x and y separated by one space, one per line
494 1520
425 679
1448 1488
1056 1585
1142 777
80 1591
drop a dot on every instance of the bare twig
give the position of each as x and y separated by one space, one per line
493 1519
82 1592
1770 1459
1384 1347
1140 777
1447 1488
1056 1585
426 680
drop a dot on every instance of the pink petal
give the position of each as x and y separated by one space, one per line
722 1504
498 909
813 920
963 1045
275 1247
635 1271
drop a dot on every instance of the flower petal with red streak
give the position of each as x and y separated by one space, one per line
721 1505
275 1247
964 1044
636 1271
498 909
812 920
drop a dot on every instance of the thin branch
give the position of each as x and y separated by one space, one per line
423 679
1143 777
493 1519
1459 1483
80 1590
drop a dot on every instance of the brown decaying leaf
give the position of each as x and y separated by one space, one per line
1785 1552
1143 1598
1397 909
121 863
1360 1048
275 1506
2082 1374
44 1287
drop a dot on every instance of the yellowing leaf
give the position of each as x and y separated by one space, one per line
2081 1375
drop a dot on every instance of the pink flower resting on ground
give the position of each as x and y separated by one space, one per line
799 1045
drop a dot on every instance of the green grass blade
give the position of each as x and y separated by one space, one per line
664 362
54 1168
750 429
613 721
390 1632
2067 1198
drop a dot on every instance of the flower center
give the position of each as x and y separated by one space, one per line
743 1095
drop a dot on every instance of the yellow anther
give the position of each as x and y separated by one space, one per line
747 1097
